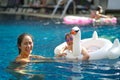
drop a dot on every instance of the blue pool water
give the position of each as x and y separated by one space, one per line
47 35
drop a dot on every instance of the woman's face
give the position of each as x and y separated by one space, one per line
26 45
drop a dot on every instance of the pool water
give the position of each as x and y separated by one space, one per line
49 33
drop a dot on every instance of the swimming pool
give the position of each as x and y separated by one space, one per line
47 35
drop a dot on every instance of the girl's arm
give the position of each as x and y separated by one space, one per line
85 54
62 52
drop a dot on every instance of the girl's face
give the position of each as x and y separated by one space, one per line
69 40
26 45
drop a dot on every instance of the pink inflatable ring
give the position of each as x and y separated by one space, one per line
77 20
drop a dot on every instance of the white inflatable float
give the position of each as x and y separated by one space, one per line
98 48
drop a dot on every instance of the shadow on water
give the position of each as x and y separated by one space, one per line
20 72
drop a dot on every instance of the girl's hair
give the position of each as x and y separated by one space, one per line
67 34
20 39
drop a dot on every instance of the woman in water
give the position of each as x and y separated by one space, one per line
25 47
97 13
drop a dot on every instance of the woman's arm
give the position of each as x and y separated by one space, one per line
37 57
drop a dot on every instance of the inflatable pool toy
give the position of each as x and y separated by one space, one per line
77 20
105 21
98 48
87 20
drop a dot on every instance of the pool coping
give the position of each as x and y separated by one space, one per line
46 15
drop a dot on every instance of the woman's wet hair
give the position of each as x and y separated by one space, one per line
98 8
20 39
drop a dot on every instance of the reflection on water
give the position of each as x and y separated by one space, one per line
20 72
67 70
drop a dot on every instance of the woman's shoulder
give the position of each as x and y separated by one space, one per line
18 57
21 60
